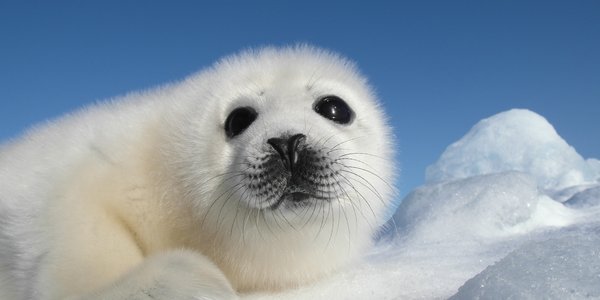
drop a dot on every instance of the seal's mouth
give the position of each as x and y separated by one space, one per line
296 199
297 196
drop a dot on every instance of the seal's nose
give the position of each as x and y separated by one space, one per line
287 148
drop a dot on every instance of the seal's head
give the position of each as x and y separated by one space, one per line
288 161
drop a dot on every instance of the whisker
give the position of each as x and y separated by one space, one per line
366 184
346 141
362 197
233 192
242 196
372 173
364 153
215 201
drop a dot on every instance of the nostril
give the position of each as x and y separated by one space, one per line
280 145
293 143
287 148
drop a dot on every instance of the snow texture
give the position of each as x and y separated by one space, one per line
518 140
510 211
565 267
587 198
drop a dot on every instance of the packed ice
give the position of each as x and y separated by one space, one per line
588 198
564 266
509 211
516 140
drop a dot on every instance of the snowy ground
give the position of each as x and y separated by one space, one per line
510 211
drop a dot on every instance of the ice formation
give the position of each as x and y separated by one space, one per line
510 211
588 198
479 208
564 267
515 140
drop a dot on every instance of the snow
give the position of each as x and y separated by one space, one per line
480 208
587 198
518 140
565 267
510 211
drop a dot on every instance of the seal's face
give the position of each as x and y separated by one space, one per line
290 134
305 136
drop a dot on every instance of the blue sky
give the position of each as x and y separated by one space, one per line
438 66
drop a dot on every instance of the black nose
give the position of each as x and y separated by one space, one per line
288 149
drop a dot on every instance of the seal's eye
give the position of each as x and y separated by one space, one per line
335 109
238 120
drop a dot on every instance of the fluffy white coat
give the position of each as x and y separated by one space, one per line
131 198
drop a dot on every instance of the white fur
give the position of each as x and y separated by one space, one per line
130 199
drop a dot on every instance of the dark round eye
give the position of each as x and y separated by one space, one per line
238 120
334 109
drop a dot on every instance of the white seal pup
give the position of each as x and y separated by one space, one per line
267 171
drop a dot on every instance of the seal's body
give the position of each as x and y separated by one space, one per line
268 170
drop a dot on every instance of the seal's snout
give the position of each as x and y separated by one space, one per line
287 148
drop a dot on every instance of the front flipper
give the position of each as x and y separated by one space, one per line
176 275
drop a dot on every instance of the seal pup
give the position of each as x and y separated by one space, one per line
266 171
